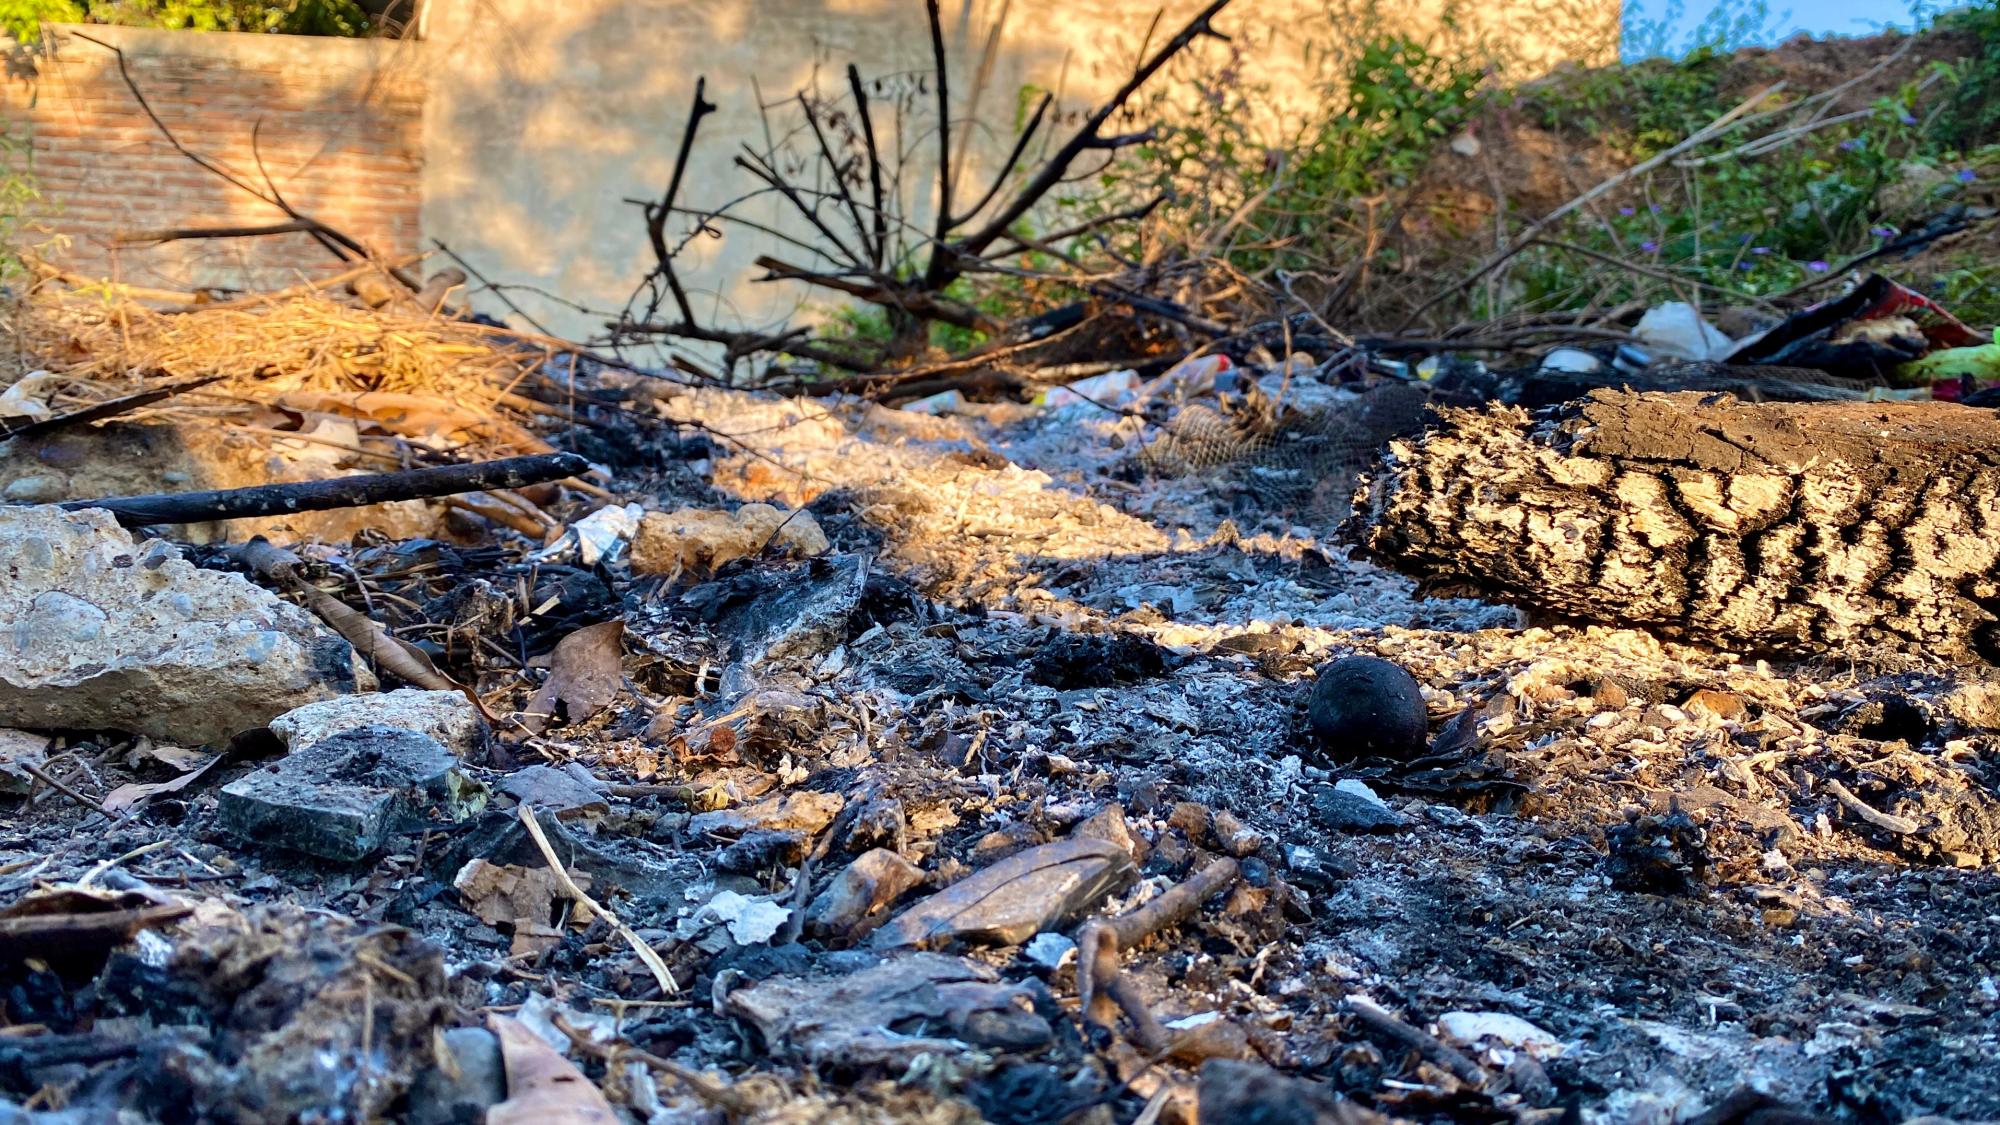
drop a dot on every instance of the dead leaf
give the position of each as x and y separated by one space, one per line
542 1087
126 796
174 757
586 672
522 899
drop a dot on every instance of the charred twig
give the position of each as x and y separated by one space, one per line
656 214
701 1085
100 411
881 218
945 262
916 302
833 165
319 230
294 226
341 492
1434 1050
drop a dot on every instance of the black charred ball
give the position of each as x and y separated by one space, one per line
1363 706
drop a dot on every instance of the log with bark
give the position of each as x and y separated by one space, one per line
1804 528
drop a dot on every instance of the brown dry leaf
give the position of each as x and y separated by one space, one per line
174 757
126 796
523 899
542 1087
585 673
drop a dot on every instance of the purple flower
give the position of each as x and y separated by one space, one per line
1817 266
1967 175
1908 118
1850 145
1653 207
1624 210
1882 232
1746 265
1760 249
1650 247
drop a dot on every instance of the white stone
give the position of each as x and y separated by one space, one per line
98 632
447 716
1470 1029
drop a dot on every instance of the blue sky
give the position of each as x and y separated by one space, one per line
1653 24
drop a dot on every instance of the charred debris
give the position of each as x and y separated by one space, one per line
1172 708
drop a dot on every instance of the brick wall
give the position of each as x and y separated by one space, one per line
337 124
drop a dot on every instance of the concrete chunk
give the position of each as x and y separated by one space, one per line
344 797
98 632
447 716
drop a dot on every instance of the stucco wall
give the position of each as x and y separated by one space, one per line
336 123
544 117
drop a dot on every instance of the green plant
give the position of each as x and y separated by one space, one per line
18 205
1972 114
23 18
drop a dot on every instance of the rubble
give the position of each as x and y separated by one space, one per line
447 716
107 633
1013 900
1040 751
342 798
859 897
891 1013
703 542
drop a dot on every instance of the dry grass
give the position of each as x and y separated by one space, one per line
307 353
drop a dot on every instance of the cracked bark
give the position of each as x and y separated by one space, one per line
1807 528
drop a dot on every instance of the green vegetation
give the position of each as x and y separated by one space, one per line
1369 208
23 18
18 199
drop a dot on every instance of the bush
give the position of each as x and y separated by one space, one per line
23 18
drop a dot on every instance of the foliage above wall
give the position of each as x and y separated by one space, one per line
350 18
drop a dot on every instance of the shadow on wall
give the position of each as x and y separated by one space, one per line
544 119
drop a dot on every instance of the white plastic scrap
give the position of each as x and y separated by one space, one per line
1675 330
596 535
750 920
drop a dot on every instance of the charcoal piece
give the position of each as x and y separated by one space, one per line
1363 706
1658 855
1070 661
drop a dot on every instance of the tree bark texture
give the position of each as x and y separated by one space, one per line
1804 528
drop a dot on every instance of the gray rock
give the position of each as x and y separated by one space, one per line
1016 898
19 749
889 1014
447 716
344 797
100 633
1346 811
554 790
459 1093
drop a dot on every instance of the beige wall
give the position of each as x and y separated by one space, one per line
543 117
